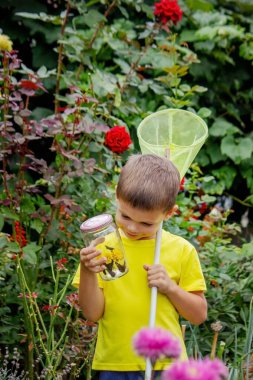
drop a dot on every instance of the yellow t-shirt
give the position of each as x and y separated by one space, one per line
127 301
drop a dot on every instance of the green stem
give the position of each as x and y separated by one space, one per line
28 322
96 33
52 269
50 341
33 314
65 328
240 201
63 291
101 24
41 319
5 119
91 352
60 59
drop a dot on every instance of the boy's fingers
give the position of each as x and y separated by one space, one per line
87 251
146 267
90 256
158 268
99 268
94 263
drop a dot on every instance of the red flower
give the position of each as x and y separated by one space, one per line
60 263
214 283
117 139
72 300
50 308
167 10
61 109
46 307
203 208
28 84
182 184
20 234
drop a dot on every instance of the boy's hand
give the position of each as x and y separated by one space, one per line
158 277
89 257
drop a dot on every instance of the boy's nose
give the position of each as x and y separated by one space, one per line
132 228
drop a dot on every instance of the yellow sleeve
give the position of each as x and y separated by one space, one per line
76 279
192 278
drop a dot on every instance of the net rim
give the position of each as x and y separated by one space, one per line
173 110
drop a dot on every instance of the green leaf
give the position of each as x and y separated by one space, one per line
225 174
202 5
228 147
157 58
117 99
37 225
13 247
159 90
204 112
123 11
94 147
56 20
224 276
221 127
3 241
27 205
93 17
213 187
237 150
40 112
188 36
9 214
208 178
1 222
30 253
245 148
125 67
206 33
246 50
213 150
249 199
104 83
199 89
208 198
42 72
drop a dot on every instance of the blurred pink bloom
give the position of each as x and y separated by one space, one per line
154 343
33 295
205 369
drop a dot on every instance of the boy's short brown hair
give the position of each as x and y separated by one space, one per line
149 182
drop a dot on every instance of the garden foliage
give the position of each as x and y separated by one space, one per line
99 68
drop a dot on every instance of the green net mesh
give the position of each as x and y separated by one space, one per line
176 134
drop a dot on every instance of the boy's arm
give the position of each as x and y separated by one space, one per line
91 296
190 305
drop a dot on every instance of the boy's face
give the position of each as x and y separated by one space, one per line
139 224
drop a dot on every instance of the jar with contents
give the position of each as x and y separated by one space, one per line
101 232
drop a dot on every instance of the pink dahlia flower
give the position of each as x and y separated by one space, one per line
196 370
155 343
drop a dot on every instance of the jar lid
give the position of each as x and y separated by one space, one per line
96 223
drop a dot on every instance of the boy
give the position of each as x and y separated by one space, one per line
146 195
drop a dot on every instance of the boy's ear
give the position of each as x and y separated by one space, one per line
171 212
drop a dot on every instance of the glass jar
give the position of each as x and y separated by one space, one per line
101 232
